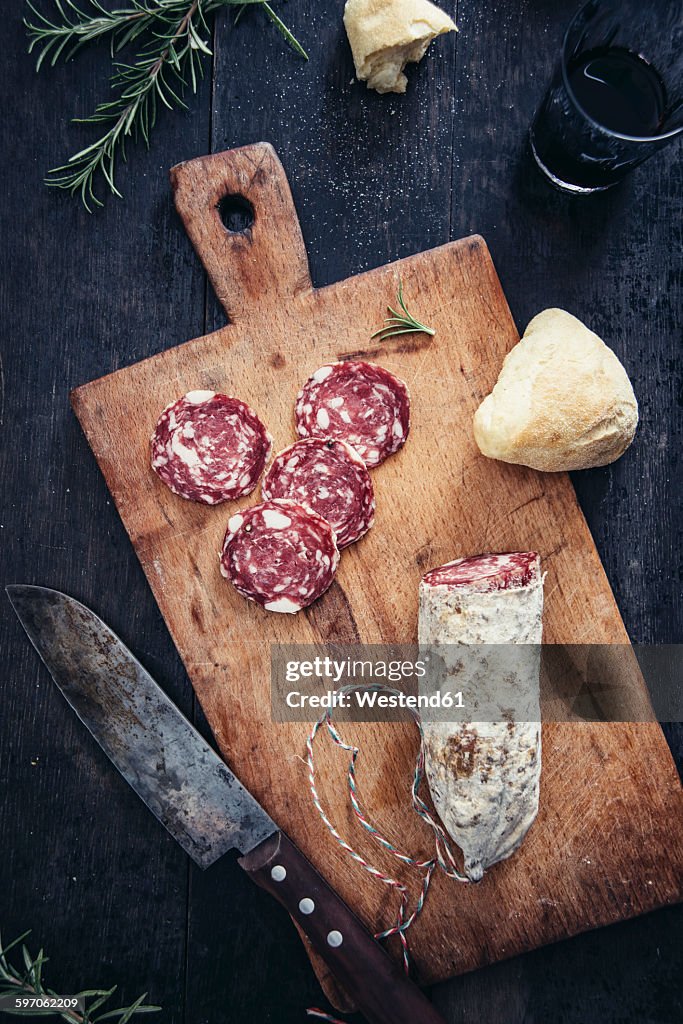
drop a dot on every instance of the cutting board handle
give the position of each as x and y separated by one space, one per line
257 266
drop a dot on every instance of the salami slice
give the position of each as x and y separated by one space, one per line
360 403
209 447
484 775
330 477
485 573
279 554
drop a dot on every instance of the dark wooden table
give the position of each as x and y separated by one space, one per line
105 890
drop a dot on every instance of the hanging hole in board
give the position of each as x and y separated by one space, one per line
237 214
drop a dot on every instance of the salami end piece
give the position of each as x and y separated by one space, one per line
209 447
279 554
485 573
330 477
484 775
360 403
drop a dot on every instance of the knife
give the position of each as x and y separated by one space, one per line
197 798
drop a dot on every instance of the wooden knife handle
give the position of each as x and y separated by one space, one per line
383 993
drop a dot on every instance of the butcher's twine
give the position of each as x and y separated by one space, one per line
443 859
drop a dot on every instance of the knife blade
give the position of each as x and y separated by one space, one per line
199 800
154 747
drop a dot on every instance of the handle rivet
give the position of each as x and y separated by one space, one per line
335 939
278 873
306 906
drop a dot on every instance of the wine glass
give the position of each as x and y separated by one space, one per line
616 96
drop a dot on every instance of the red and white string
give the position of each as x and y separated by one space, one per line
443 857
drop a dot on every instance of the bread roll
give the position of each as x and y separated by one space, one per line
562 401
386 34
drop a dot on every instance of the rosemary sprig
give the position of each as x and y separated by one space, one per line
400 323
28 982
173 41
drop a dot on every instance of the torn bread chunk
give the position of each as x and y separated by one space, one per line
562 401
385 35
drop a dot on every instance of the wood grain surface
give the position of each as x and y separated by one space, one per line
611 801
107 892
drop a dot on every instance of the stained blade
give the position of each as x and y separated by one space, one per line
163 757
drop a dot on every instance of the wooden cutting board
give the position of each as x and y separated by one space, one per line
608 841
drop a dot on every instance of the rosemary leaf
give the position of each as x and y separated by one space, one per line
293 42
127 1015
28 963
401 323
103 997
4 950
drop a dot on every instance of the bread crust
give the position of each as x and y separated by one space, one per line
562 401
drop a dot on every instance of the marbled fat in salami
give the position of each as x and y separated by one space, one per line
330 477
487 573
279 554
360 403
209 447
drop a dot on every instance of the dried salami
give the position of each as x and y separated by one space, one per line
209 447
330 477
485 573
360 403
279 554
484 775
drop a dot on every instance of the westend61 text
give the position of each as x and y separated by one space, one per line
370 699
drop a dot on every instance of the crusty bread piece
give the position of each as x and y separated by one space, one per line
562 401
386 34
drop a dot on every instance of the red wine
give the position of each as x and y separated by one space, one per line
604 113
619 90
